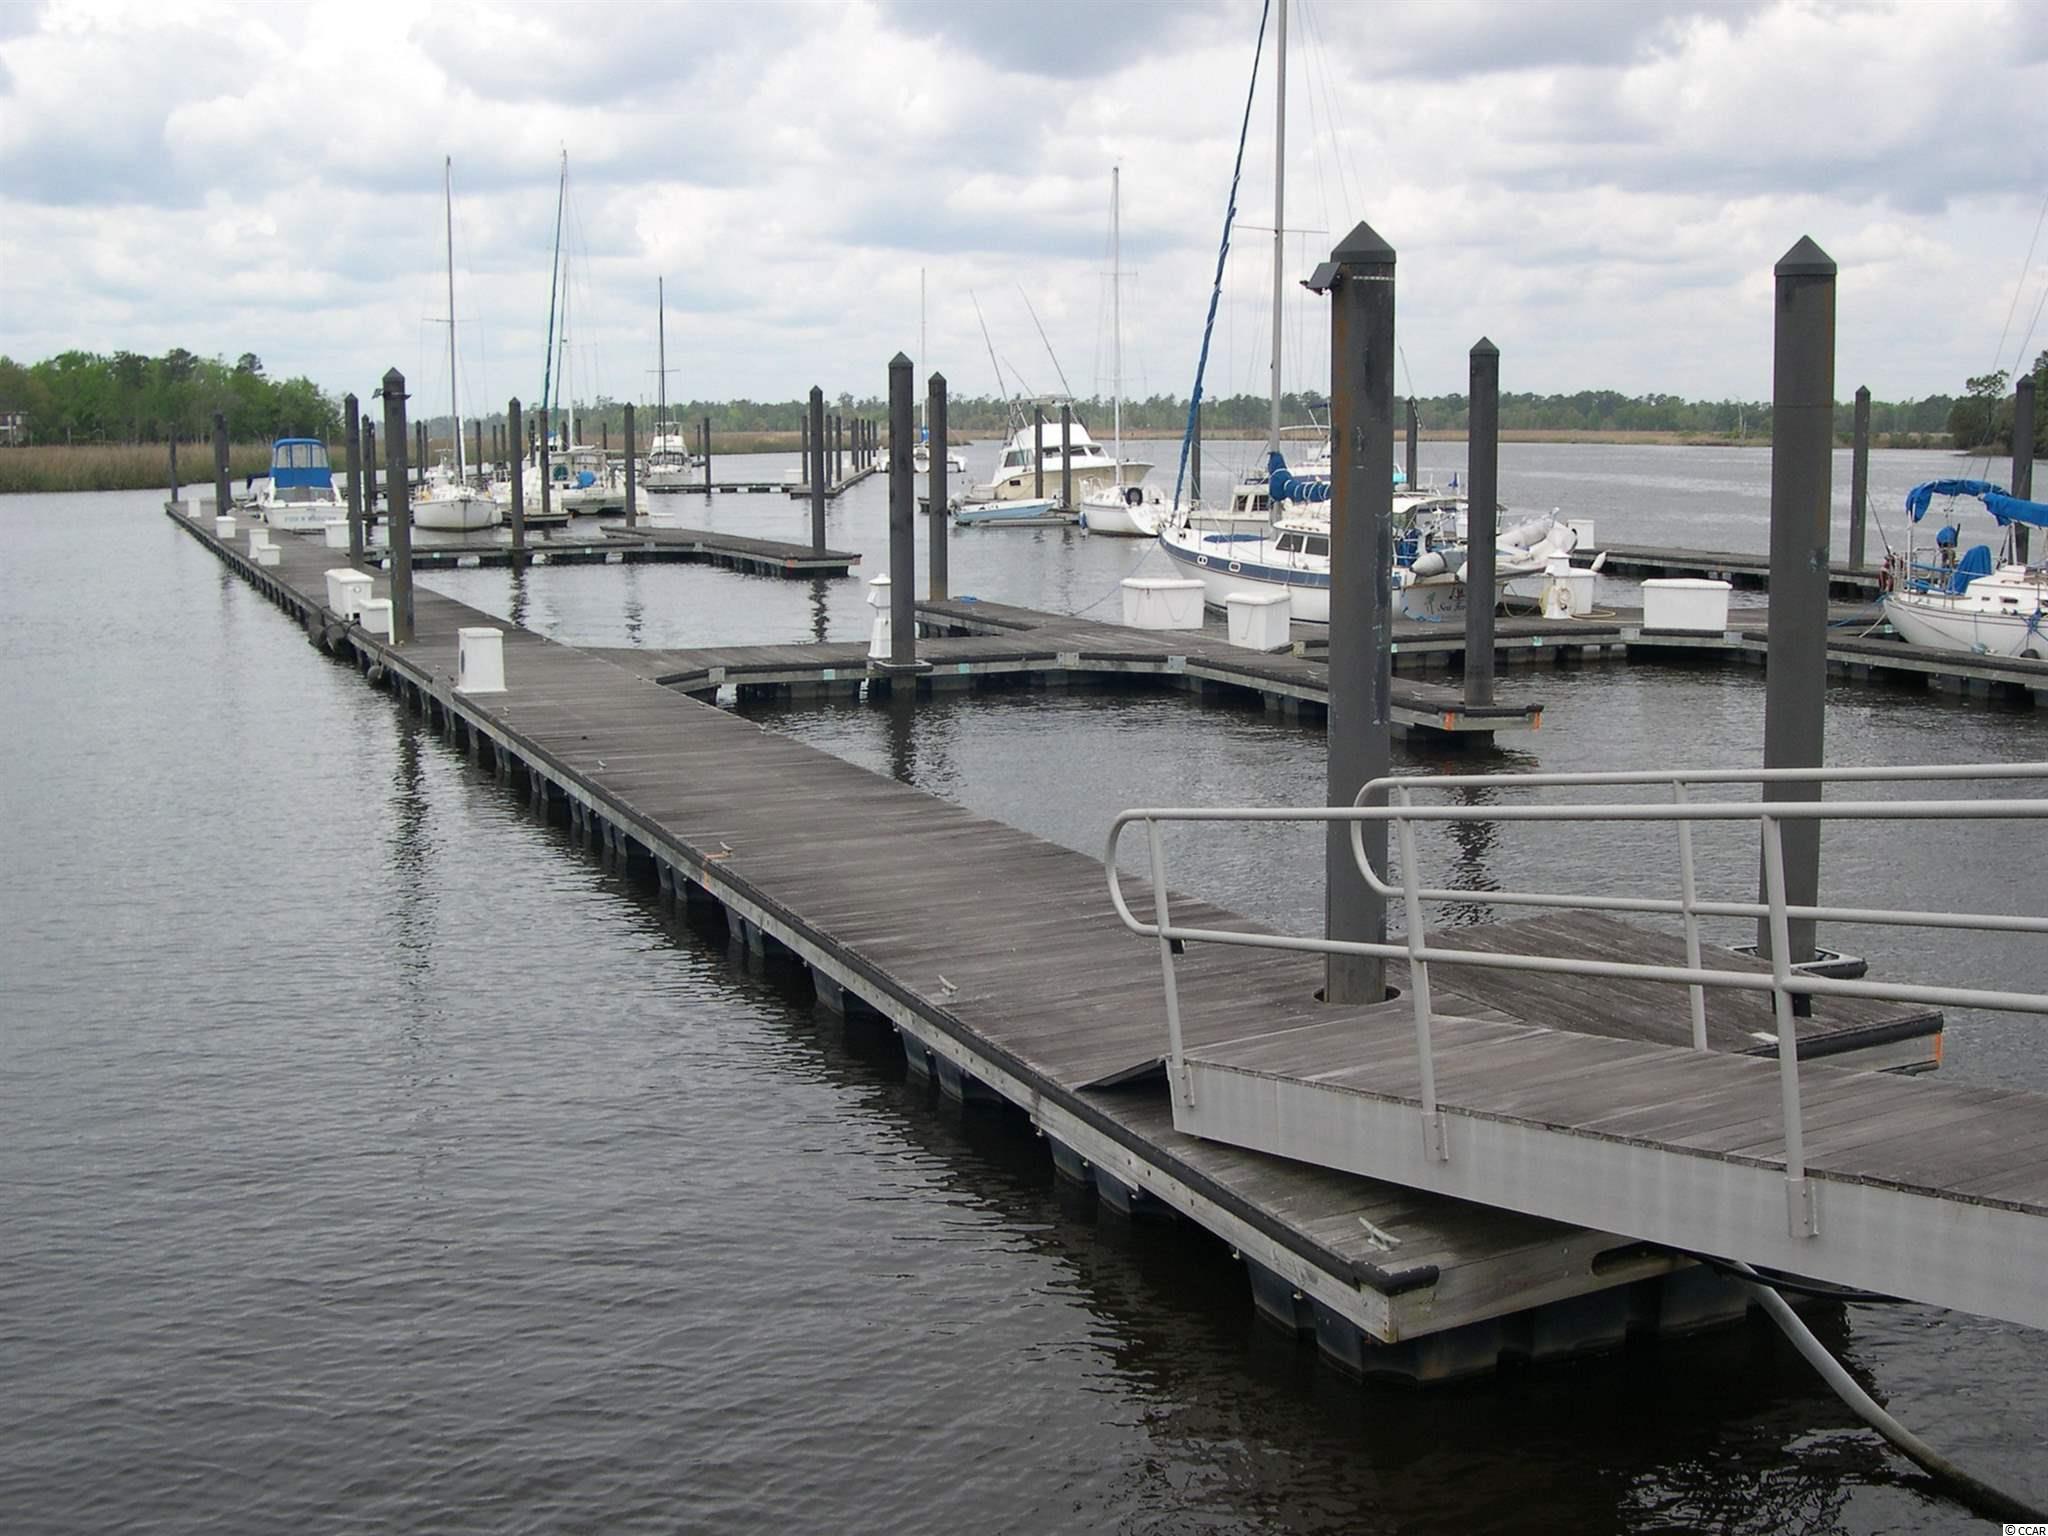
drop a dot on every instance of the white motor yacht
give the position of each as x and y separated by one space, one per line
299 496
1016 476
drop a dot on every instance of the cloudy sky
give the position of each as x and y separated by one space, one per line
1601 186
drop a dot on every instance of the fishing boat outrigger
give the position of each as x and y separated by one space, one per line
1963 600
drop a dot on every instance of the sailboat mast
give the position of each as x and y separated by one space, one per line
1279 211
448 217
568 385
923 401
661 356
1116 308
547 398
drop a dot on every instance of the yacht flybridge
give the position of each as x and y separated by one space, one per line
1016 473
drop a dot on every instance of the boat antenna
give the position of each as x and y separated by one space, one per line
1009 400
1222 256
1056 368
547 420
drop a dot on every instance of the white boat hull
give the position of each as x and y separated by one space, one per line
1945 624
1225 568
460 511
302 517
1118 517
994 513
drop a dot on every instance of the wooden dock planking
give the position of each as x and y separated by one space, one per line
886 889
771 557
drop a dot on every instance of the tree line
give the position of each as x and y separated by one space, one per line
126 397
1983 417
88 397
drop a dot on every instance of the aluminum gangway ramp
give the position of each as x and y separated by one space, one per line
1904 1186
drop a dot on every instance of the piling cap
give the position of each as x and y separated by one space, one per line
1363 247
899 361
937 381
1805 260
1484 348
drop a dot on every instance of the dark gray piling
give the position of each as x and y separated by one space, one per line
604 437
803 443
1859 477
1067 455
518 461
632 475
1802 468
400 507
902 517
1359 277
707 455
369 471
815 469
2022 456
1414 443
476 458
420 463
350 408
838 449
1482 495
223 498
547 476
935 486
1038 452
174 469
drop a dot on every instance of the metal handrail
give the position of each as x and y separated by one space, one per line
1782 981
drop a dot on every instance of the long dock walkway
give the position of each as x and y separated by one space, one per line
998 959
1845 581
986 641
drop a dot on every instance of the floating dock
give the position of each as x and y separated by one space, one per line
998 959
1640 561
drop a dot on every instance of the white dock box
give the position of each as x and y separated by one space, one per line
266 554
1162 602
336 529
223 527
1261 621
376 616
347 590
259 537
480 660
1686 603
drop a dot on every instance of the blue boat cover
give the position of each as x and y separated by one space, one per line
1284 485
2004 507
1976 562
300 461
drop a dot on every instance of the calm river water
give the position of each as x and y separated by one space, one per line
372 1160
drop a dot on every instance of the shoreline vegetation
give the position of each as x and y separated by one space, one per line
60 467
96 421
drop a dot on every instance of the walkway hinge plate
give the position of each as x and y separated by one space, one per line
1801 1213
1436 1137
1185 1080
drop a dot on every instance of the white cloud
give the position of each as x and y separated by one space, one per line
1600 187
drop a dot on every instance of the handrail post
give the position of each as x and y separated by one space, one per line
1176 1068
1799 1209
1687 894
1433 1140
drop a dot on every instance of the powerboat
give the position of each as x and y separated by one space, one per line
299 496
1016 473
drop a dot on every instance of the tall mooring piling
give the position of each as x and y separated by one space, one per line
1859 477
1802 469
2022 456
1414 444
632 474
1482 497
1066 456
350 408
1038 452
815 468
902 515
518 462
223 499
935 485
369 469
399 507
1359 278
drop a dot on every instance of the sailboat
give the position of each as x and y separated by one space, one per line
1131 511
1970 601
921 455
1276 537
448 502
668 460
578 478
